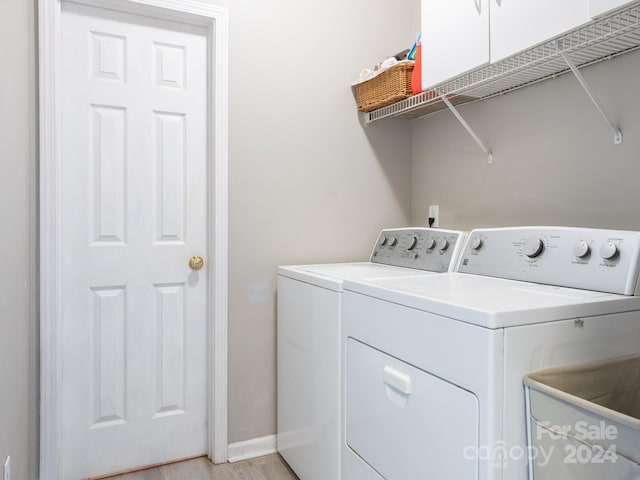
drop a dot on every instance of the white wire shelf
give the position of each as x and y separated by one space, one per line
601 39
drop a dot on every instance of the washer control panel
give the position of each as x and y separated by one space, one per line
586 258
432 249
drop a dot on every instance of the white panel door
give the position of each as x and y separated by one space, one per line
134 210
519 24
455 38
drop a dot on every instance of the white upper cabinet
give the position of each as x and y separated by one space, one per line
455 38
598 7
519 24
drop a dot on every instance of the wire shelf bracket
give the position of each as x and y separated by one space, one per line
617 133
467 127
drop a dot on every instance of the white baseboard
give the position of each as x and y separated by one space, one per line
256 447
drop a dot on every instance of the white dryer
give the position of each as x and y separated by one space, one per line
434 366
309 342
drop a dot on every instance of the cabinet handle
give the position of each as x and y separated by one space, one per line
478 6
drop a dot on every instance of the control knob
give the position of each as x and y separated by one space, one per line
608 250
581 249
392 241
442 244
475 243
533 247
412 244
384 240
431 243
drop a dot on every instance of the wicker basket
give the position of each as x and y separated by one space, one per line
390 86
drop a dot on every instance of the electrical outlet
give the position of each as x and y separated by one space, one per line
435 214
6 469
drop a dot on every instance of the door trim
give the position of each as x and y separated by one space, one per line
215 19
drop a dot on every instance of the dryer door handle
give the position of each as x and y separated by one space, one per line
397 380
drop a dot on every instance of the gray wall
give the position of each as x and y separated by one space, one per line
555 161
308 183
18 344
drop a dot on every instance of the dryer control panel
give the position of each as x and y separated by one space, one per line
431 249
585 258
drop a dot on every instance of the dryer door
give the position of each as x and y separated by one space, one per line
406 423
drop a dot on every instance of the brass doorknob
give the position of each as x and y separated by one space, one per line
196 262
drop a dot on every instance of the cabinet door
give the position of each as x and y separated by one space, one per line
598 7
405 422
455 38
519 24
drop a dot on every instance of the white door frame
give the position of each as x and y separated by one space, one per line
215 19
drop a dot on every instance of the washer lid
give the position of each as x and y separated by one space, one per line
331 275
493 302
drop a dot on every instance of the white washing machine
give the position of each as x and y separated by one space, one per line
434 366
309 342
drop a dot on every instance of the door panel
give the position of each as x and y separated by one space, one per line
134 193
405 422
455 38
520 24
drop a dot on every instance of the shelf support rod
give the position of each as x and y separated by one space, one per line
617 134
467 127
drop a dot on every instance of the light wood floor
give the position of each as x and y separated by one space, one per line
269 467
